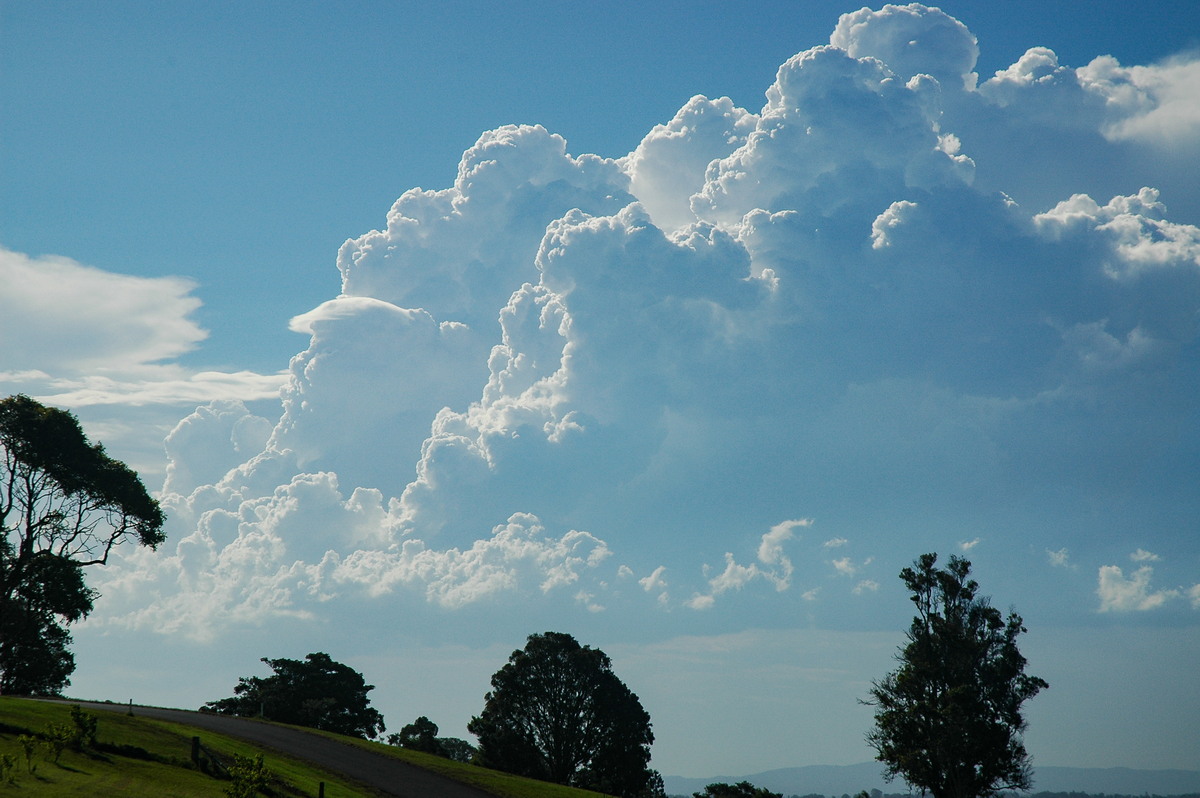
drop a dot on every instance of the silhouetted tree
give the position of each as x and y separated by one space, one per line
557 712
456 749
316 692
743 789
948 720
64 504
420 735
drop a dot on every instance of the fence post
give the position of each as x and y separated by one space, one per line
320 789
196 751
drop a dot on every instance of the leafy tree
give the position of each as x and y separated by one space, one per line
557 712
316 692
420 735
743 789
64 504
456 749
948 720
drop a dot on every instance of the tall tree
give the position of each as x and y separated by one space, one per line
948 720
316 692
557 712
64 504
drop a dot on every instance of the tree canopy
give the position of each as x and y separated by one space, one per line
948 719
64 504
316 692
743 789
557 712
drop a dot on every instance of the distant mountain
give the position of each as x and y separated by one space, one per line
838 780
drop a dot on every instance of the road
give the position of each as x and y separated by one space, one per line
388 776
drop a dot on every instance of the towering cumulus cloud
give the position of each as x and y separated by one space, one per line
606 384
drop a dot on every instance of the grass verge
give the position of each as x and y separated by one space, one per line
138 757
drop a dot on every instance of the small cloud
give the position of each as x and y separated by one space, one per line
735 576
656 582
967 545
1058 559
1141 555
834 543
846 566
588 600
1194 596
811 595
1120 594
624 572
866 586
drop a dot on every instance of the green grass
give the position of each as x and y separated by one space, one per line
141 758
146 758
503 785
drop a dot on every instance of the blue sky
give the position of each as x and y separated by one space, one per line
691 378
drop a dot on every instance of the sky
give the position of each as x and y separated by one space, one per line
681 329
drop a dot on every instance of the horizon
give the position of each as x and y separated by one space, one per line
680 331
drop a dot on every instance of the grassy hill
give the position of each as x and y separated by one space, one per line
136 757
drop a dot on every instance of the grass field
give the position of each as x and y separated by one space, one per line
146 758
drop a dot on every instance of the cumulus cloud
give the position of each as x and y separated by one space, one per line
1154 103
817 301
967 545
1119 593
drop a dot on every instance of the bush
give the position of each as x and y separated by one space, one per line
249 776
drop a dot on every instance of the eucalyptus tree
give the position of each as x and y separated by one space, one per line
64 505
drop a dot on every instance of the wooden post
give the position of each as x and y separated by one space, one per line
320 789
196 751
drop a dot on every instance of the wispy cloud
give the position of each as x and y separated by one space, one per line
1060 558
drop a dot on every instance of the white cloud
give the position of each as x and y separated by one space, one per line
967 545
669 164
1120 594
770 553
527 354
104 345
845 566
656 583
1194 596
1141 555
1155 104
1059 559
911 39
73 318
895 215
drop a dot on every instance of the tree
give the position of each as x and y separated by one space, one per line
316 692
420 735
743 789
64 505
557 712
948 720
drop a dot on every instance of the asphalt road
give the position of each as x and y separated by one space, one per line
386 775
